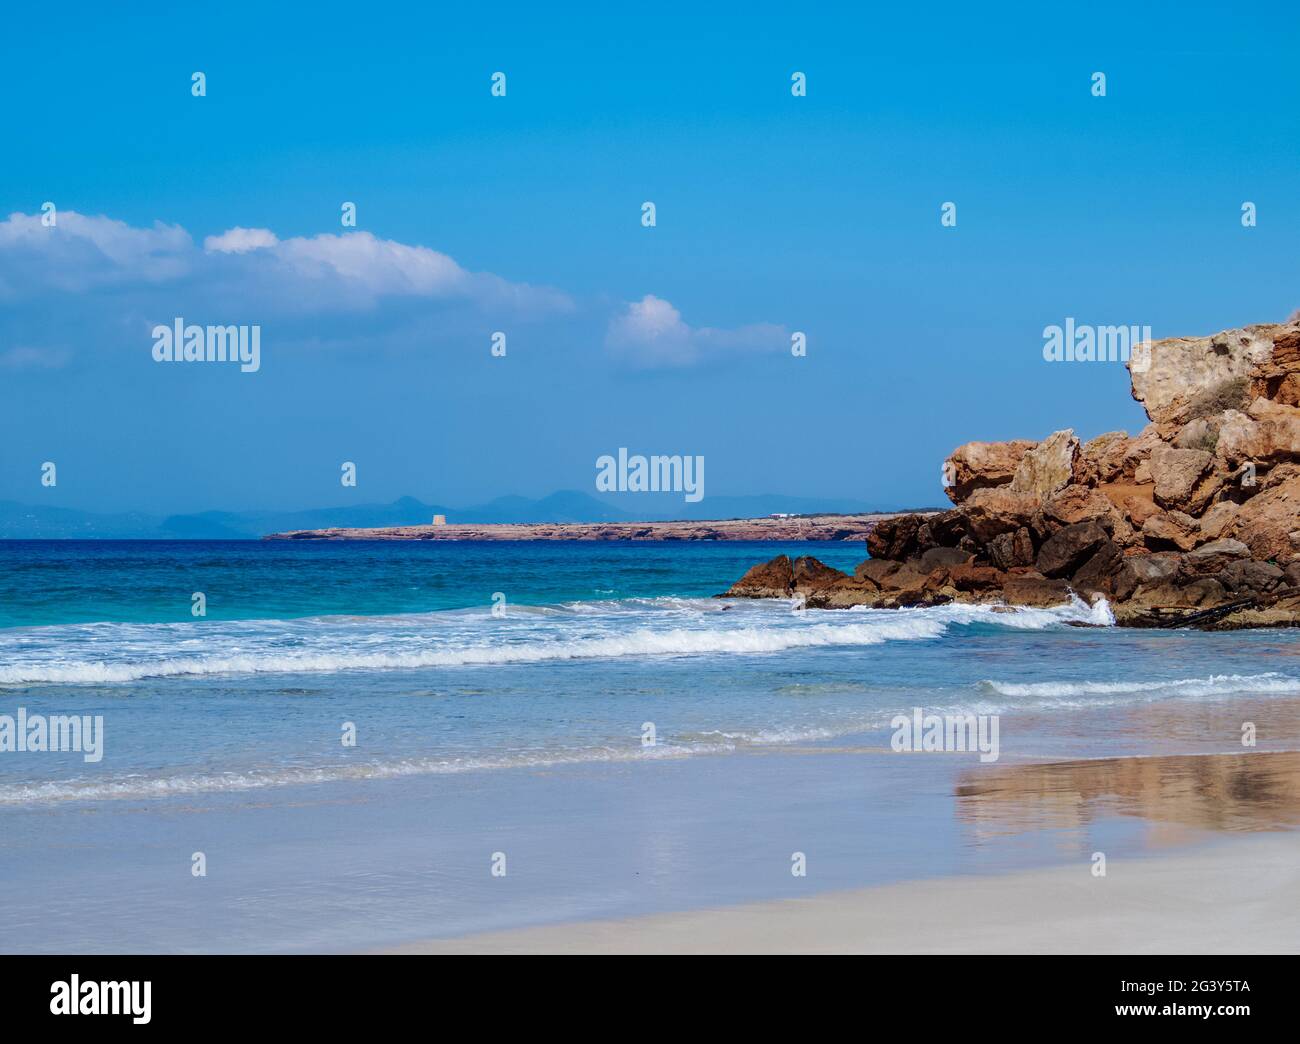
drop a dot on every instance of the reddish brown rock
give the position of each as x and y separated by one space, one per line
1201 510
1159 568
843 594
1278 379
1069 548
774 579
1138 452
1170 529
979 465
1077 503
971 577
1247 577
1141 506
875 570
1269 523
895 538
1106 572
1102 459
942 558
1267 433
809 574
1035 591
1009 550
991 512
1177 473
1214 557
1218 517
905 580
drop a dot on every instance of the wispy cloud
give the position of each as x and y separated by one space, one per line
351 271
652 333
109 282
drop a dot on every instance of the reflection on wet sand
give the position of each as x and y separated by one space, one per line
1215 792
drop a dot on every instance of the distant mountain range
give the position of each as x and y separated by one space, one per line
29 522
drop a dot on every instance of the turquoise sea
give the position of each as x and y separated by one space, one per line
501 696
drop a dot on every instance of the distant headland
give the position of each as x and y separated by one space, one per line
774 527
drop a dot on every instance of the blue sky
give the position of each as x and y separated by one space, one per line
774 214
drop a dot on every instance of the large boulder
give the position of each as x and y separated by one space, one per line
1076 503
1011 549
1166 530
1067 549
875 570
942 558
896 538
774 579
1177 475
1105 572
1218 518
1048 467
1269 523
1161 567
1035 591
991 512
979 465
976 578
1137 503
1102 459
1248 577
1138 451
1267 433
1214 557
1179 378
810 574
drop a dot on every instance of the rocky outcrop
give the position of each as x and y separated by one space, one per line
1195 520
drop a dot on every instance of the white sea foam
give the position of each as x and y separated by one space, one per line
1272 683
669 627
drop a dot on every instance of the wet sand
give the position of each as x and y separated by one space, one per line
1234 898
1219 873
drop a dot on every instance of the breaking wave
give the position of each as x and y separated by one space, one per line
586 631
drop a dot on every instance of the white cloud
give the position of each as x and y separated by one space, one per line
240 240
651 332
80 252
327 273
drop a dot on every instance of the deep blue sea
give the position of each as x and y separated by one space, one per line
503 693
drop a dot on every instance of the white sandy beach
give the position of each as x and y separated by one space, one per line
1238 896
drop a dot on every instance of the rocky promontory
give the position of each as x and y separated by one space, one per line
1193 521
785 527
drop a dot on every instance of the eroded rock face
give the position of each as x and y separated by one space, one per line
1267 433
1178 377
1198 514
1048 467
979 465
1103 459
